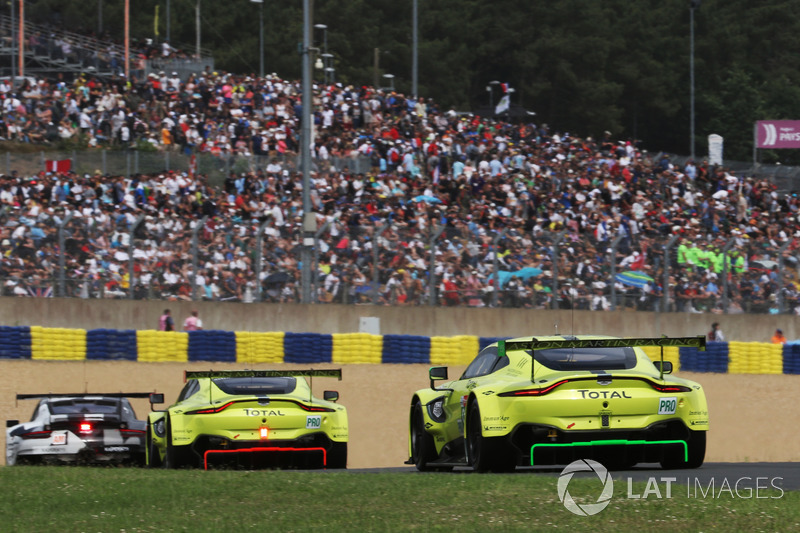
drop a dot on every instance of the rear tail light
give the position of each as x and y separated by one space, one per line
210 410
670 388
85 427
263 433
132 432
534 392
315 409
37 435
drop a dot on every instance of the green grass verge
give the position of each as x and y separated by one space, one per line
130 499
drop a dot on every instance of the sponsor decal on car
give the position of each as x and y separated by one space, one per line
593 394
667 405
313 421
262 412
116 449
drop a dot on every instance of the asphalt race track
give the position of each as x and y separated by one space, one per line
786 475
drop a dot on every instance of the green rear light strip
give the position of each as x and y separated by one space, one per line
611 442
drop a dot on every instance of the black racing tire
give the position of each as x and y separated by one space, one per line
477 445
337 455
423 450
487 453
172 458
153 459
697 453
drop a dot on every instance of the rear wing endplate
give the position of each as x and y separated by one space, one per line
534 344
331 373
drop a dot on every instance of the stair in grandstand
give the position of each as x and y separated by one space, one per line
50 50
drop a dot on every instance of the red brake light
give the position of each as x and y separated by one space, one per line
37 435
210 410
85 427
263 433
670 388
534 392
132 431
314 409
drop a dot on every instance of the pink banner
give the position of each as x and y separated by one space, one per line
778 134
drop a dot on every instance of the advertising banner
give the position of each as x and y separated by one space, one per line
778 134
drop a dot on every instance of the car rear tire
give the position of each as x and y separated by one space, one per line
477 444
487 453
697 453
153 458
423 450
172 456
337 455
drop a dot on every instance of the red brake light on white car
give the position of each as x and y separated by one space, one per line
85 427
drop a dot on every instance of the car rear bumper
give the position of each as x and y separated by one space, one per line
540 444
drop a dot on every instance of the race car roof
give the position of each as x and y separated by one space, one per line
329 373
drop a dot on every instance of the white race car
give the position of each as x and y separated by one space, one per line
79 428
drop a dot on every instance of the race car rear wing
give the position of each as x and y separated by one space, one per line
331 373
534 344
308 373
154 397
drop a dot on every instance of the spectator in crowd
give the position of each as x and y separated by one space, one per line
193 322
715 334
778 337
165 322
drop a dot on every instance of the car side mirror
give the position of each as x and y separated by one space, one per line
11 423
157 397
437 373
664 367
330 395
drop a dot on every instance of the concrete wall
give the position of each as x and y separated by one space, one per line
127 314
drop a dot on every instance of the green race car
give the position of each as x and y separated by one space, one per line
552 400
250 418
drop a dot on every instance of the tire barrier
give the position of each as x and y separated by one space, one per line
15 342
713 359
58 344
791 359
212 345
246 347
104 344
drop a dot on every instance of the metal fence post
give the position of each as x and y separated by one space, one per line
667 265
781 292
432 267
259 246
131 248
194 255
105 162
556 253
128 164
496 266
62 274
613 260
375 277
725 249
315 264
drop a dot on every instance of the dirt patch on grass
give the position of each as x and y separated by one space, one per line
753 417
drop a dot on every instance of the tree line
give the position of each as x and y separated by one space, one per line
583 66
